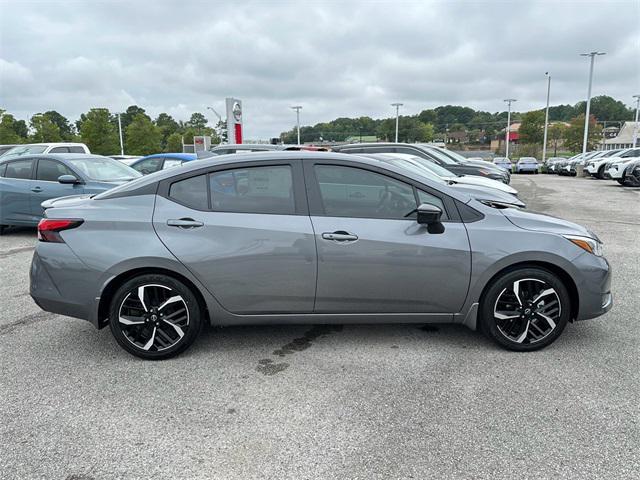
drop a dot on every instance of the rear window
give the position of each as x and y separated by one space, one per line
19 169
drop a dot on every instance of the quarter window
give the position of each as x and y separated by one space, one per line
191 192
354 192
253 190
19 169
50 170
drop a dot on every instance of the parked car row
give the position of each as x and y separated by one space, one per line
621 165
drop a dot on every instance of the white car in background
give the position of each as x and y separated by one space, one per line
56 147
451 177
616 168
595 166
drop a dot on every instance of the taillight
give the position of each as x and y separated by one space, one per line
49 228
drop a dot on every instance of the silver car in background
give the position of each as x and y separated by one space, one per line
301 237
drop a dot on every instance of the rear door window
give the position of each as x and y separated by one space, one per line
77 149
19 169
59 150
171 162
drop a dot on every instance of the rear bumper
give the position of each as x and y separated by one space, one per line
594 286
57 284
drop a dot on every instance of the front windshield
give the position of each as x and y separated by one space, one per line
451 154
26 149
440 156
433 167
103 169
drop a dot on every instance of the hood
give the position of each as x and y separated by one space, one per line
488 194
485 182
540 222
70 201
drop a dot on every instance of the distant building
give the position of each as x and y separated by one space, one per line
514 136
624 139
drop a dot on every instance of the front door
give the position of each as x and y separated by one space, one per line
371 259
246 234
46 185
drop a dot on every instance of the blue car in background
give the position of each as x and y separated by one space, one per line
527 164
161 161
27 181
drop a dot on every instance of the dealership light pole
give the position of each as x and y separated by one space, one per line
546 119
397 105
586 116
120 132
507 134
297 108
635 127
219 118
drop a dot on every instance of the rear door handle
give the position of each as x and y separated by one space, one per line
184 223
340 236
36 189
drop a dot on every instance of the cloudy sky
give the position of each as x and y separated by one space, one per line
335 58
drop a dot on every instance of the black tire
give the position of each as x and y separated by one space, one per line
620 181
2 229
600 174
549 315
146 334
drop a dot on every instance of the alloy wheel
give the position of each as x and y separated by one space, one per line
153 317
528 311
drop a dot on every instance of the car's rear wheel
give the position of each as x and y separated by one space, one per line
525 309
600 173
154 316
620 181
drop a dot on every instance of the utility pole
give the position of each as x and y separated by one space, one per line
221 122
507 135
120 132
297 108
397 105
546 119
635 127
586 117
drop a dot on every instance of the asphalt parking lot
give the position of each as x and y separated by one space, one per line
358 402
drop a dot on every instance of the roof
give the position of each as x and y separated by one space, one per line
185 157
53 156
625 135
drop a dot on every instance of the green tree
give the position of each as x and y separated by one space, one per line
11 129
98 132
142 136
66 130
556 133
198 122
168 126
174 143
575 132
44 130
605 108
129 115
532 127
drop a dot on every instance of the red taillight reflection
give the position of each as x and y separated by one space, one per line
49 228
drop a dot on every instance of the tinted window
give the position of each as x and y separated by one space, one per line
59 150
77 149
191 192
253 190
50 170
3 167
353 192
150 165
19 169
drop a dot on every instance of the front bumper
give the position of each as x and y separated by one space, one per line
594 286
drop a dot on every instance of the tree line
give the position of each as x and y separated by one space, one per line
98 129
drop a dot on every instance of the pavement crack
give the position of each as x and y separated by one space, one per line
26 320
13 251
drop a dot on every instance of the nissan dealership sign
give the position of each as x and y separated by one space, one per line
234 120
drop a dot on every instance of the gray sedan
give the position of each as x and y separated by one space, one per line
297 237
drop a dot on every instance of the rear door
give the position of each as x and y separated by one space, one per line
371 258
245 232
46 185
15 192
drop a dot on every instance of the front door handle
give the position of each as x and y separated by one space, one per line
36 189
184 223
340 236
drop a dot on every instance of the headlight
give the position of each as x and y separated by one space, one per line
588 244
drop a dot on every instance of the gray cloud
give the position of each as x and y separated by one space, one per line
334 58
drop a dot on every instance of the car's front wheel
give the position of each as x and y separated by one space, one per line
154 316
525 309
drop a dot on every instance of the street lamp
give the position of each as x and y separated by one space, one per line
297 108
120 132
586 117
509 102
397 105
635 127
221 121
546 119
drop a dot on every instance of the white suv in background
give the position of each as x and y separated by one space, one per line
596 165
616 168
58 147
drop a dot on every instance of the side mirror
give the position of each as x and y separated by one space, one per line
428 214
68 179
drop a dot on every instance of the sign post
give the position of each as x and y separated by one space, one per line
234 120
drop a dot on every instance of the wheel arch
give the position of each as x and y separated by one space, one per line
116 282
562 274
